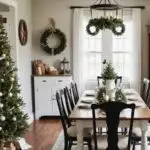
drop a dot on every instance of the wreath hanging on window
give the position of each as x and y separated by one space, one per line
105 23
53 32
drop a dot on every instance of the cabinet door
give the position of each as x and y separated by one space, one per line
43 100
54 101
57 84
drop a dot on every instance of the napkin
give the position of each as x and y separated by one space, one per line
132 98
128 91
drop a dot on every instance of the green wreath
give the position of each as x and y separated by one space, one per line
114 29
93 23
60 35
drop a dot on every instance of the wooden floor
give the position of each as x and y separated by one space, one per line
43 134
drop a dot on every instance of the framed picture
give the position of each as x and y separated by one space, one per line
23 32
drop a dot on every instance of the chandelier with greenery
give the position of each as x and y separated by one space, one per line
107 21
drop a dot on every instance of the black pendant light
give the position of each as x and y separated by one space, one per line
106 5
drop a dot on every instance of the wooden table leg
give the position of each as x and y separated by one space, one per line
144 129
80 145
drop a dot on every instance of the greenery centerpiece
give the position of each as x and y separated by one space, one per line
109 75
102 96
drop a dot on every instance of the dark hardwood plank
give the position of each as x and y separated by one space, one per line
43 134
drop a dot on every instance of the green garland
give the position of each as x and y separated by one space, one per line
61 36
105 23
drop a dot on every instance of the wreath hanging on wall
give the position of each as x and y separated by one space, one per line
53 32
105 23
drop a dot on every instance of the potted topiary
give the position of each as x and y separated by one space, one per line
109 75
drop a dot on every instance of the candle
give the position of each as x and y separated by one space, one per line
106 97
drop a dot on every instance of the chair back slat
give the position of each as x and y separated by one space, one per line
98 80
145 89
66 95
75 92
118 80
112 110
70 98
148 97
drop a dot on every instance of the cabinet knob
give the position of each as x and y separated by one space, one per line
60 80
44 81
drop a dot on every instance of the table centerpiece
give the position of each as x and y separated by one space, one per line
109 75
101 95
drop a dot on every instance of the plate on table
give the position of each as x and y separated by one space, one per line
90 93
137 104
132 98
84 106
87 99
128 91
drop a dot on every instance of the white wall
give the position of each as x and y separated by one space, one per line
24 55
59 10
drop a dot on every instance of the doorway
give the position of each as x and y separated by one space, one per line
8 10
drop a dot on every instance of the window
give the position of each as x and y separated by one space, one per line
89 51
106 45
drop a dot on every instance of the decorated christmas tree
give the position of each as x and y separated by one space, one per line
13 120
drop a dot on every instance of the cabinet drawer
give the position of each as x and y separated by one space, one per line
53 80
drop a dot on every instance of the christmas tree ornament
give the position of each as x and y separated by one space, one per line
2 118
14 119
3 55
18 95
12 79
7 63
2 80
1 94
0 128
1 105
10 94
13 75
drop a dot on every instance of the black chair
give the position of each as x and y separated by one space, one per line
69 100
99 78
70 132
118 80
136 136
144 89
112 141
75 92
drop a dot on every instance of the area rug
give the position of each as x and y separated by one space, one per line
59 144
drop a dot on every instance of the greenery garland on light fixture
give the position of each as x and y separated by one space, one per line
105 23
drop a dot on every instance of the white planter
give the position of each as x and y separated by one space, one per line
110 84
110 88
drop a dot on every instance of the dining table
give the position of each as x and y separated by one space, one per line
82 114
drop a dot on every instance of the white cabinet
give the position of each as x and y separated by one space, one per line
44 94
